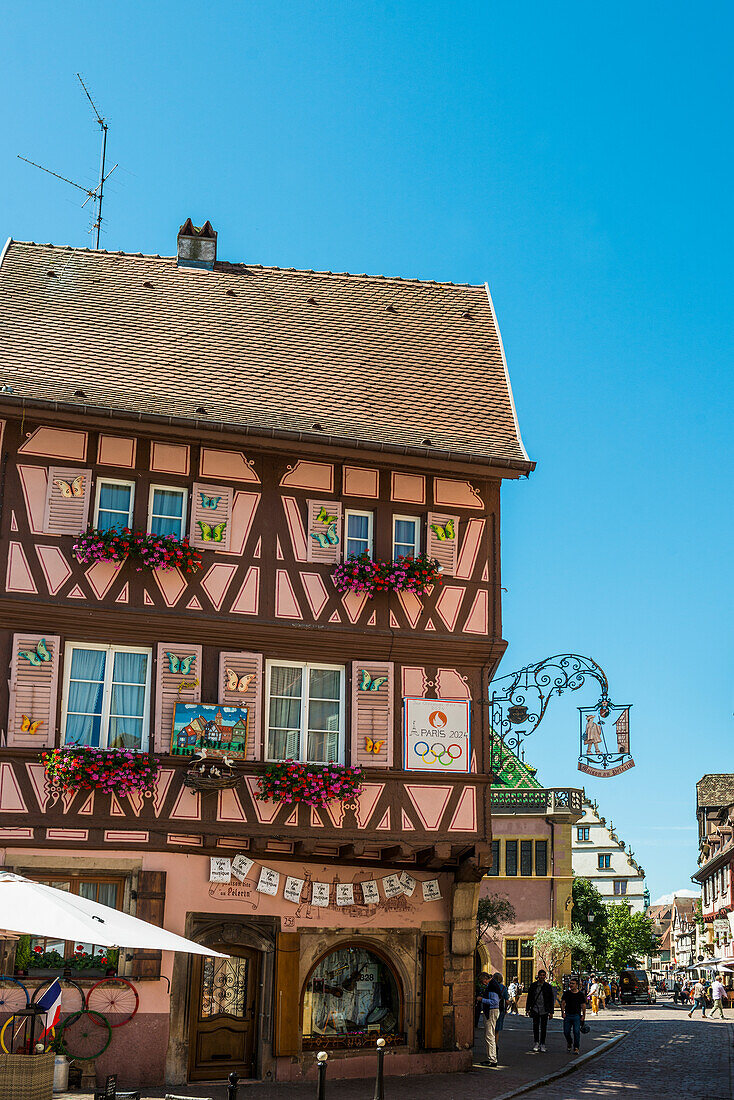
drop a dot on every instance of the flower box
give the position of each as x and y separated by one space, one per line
110 770
146 550
314 784
364 574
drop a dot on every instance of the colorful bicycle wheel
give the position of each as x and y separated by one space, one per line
72 994
13 996
86 1035
11 1033
114 998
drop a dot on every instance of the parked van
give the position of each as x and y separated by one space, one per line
634 987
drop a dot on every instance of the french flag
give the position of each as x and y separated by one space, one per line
50 1002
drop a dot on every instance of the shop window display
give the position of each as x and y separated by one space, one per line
351 1000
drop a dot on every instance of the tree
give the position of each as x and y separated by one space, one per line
492 913
629 938
554 945
588 903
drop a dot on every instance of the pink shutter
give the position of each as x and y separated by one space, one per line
331 553
172 688
372 715
67 515
213 516
245 664
33 692
444 550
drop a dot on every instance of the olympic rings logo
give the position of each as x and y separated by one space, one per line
453 752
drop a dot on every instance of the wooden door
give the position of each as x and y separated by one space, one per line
224 1010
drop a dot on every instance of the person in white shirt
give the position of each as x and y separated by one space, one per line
595 994
718 994
699 999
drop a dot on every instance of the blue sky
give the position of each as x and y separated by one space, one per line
576 156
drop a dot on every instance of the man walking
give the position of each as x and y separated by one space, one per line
573 1011
718 993
539 1006
491 994
699 999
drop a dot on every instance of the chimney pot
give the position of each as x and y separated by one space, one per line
197 246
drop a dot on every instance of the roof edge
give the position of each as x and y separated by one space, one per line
507 376
6 248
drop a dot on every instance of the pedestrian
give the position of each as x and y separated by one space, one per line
573 1011
615 991
607 992
513 990
595 994
491 992
699 999
676 992
718 993
504 998
539 1006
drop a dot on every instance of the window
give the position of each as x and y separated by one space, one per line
358 527
106 696
519 961
706 892
406 536
583 832
605 862
495 868
105 890
511 857
351 998
305 708
114 506
167 511
526 858
541 857
620 886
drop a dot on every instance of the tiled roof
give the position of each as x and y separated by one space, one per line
380 361
510 771
715 790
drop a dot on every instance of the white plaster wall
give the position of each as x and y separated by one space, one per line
586 863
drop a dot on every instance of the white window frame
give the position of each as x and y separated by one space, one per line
114 481
409 519
305 667
171 489
107 690
370 529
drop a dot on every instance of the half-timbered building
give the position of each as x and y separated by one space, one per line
284 421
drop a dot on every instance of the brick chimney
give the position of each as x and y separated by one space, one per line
197 246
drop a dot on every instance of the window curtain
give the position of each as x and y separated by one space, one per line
284 721
114 506
86 691
128 701
166 512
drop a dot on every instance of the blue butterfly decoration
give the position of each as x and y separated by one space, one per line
209 502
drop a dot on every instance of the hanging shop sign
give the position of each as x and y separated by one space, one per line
604 749
436 735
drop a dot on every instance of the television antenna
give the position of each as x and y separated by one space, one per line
96 193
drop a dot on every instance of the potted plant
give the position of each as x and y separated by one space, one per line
363 574
146 550
291 781
82 768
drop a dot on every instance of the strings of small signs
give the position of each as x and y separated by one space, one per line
223 869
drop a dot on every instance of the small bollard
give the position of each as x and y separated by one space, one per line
322 1058
380 1079
233 1086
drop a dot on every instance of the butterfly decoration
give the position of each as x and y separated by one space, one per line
327 538
27 726
209 502
373 746
238 683
73 488
38 655
445 532
181 664
325 518
370 683
212 534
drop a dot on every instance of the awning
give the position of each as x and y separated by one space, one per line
35 909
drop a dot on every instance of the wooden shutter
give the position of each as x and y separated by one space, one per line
372 715
213 516
33 692
67 515
287 1031
444 550
433 971
168 690
245 664
326 555
151 906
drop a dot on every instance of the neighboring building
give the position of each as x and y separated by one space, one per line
531 862
602 858
683 932
715 874
659 964
278 418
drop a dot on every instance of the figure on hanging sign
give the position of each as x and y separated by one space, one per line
327 538
445 532
181 664
237 683
70 489
209 726
596 756
370 683
212 534
27 725
37 656
209 502
373 746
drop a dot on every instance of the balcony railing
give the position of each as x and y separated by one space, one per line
553 800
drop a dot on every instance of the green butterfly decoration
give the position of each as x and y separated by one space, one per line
37 656
180 664
370 683
445 532
209 502
326 538
324 517
212 534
